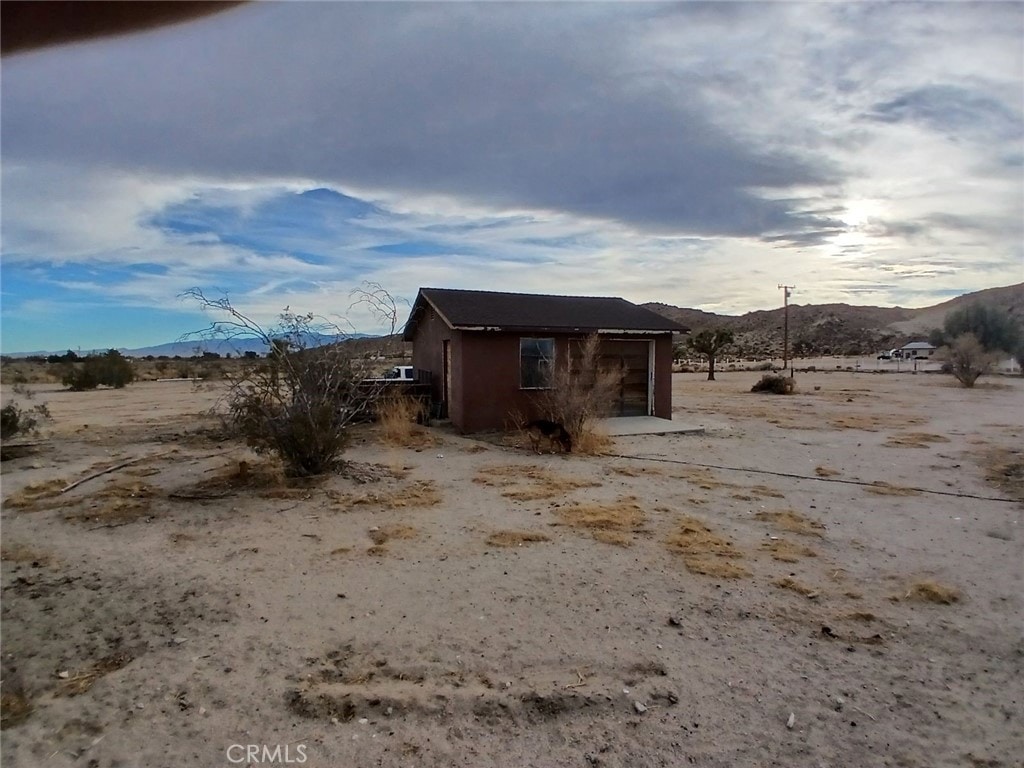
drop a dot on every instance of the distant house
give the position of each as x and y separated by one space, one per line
490 355
916 349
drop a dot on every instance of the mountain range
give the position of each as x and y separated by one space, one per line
814 329
838 329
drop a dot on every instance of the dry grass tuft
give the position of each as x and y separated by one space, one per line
608 523
826 472
633 471
386 533
515 538
792 521
22 553
422 493
931 592
788 551
592 440
36 496
716 568
703 478
795 586
881 488
867 423
182 538
763 491
704 551
863 616
84 680
1004 468
118 503
398 416
15 708
529 483
914 440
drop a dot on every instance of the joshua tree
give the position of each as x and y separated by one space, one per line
709 344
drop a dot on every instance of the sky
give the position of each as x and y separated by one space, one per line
283 154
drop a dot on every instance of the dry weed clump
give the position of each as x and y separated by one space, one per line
82 681
608 523
1004 468
703 478
795 586
22 553
117 503
792 521
399 417
882 488
704 551
929 591
529 483
775 384
826 471
914 440
515 538
788 551
421 493
15 708
36 496
631 471
380 536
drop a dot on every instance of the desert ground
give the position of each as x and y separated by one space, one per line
831 578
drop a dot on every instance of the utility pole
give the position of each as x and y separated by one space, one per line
786 289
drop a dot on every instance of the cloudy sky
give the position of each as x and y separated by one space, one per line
696 154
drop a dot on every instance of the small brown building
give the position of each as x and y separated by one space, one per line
490 354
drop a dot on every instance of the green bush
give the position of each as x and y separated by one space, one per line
15 421
774 383
111 369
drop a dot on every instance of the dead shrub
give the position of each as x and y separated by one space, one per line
609 523
967 359
928 591
704 551
791 520
515 538
775 384
581 393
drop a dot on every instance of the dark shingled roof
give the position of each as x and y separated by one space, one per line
534 312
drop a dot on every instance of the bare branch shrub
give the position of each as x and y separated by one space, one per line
581 393
968 359
298 403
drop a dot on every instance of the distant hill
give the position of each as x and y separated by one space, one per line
837 329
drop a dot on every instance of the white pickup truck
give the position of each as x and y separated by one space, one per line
400 373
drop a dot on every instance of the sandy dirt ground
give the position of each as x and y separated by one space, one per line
832 578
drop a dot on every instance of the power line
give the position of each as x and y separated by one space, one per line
864 483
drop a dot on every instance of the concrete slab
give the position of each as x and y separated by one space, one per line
648 425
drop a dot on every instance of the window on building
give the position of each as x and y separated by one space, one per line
536 362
